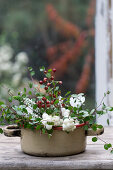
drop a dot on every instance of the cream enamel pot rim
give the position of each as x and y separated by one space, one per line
33 142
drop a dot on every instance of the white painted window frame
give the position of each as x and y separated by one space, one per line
102 53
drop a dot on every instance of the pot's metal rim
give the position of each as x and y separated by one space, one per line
60 127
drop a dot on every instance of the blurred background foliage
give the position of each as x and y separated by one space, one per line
53 33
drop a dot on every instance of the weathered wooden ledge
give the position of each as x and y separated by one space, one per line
95 157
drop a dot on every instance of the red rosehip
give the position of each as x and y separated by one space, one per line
43 105
48 105
50 94
48 84
59 93
52 77
54 70
54 96
47 102
39 106
43 98
46 88
63 105
39 102
45 79
41 82
52 102
60 82
45 72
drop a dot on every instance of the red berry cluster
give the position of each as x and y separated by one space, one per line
45 103
47 81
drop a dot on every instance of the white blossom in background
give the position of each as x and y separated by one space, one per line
16 79
6 53
22 58
12 71
77 100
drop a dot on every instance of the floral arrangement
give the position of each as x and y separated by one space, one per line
47 111
12 74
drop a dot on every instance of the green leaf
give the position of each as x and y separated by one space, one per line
43 130
109 145
50 70
10 99
48 75
35 106
106 147
99 126
24 110
67 93
38 127
19 98
94 127
1 130
86 127
30 68
108 121
73 115
30 92
25 90
30 85
56 102
42 68
32 73
111 151
94 139
1 103
108 92
50 131
24 95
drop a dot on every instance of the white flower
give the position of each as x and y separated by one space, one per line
45 120
47 117
29 110
68 124
29 102
60 100
77 100
65 112
48 127
22 58
85 113
56 120
77 122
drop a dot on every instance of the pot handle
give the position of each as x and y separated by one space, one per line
91 132
12 131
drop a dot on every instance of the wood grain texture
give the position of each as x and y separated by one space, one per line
95 157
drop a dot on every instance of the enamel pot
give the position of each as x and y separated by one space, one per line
33 142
